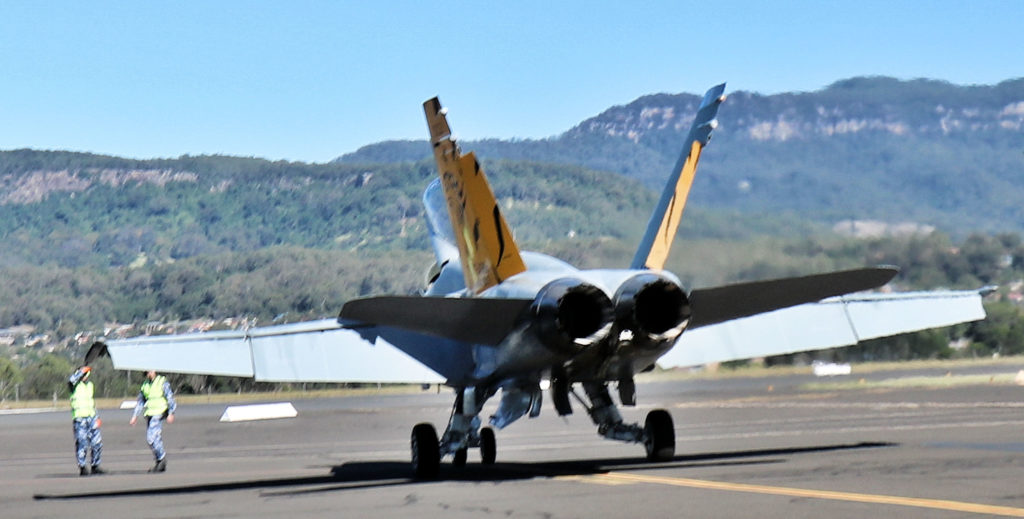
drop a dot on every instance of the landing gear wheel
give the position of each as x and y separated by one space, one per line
426 452
460 458
488 446
659 436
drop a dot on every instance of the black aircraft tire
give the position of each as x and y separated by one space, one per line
660 436
460 458
426 452
488 446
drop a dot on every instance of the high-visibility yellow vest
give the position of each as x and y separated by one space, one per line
153 390
82 404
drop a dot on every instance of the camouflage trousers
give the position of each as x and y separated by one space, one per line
87 435
154 435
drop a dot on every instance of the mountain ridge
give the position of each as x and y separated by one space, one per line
869 147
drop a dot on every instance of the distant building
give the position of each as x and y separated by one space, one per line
8 336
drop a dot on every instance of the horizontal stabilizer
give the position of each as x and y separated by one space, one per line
831 323
471 320
719 304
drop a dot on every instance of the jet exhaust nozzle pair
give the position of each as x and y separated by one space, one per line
573 315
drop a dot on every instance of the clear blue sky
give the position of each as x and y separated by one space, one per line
311 80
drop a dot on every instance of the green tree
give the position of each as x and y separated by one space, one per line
1002 331
48 378
10 376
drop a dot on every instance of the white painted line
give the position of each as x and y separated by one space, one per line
830 369
128 404
33 410
243 413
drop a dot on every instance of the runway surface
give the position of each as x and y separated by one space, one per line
745 447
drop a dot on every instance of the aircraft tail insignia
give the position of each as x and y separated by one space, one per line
661 230
489 254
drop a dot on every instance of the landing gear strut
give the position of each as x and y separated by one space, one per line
658 433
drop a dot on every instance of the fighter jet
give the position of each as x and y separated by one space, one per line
493 319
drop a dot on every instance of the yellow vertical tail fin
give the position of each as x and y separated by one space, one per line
489 254
661 230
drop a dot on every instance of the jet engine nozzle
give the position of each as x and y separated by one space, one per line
571 315
652 307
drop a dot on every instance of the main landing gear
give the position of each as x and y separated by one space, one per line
426 450
464 431
658 433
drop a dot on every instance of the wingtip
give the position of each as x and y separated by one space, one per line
888 272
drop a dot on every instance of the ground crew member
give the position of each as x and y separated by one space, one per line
85 422
156 400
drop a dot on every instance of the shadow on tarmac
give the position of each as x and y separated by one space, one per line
74 475
374 474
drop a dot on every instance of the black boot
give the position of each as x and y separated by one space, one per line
96 470
161 465
83 471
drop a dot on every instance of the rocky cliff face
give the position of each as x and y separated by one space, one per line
34 186
922 150
885 105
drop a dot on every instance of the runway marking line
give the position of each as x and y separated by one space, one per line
937 504
595 480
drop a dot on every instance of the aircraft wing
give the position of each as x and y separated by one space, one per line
312 351
833 322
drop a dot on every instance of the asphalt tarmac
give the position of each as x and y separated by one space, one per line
760 447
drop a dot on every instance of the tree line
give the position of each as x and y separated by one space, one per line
287 284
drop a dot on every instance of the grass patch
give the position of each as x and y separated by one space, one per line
939 382
753 370
231 398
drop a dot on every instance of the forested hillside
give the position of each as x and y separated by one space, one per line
73 209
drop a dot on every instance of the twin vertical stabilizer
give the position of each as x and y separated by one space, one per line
661 230
488 253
